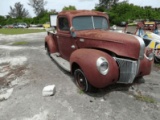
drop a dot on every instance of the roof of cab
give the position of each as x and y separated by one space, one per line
74 13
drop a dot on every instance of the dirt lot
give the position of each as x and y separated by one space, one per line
25 70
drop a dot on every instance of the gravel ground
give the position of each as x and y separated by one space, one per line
26 69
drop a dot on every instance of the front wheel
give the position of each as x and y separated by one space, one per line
81 81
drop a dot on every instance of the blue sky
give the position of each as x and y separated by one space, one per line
59 4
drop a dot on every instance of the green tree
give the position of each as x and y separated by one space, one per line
18 11
107 3
43 17
124 11
70 7
38 6
100 8
2 19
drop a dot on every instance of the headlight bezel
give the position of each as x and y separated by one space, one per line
102 65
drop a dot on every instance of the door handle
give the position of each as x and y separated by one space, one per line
73 46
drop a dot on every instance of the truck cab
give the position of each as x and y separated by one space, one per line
84 45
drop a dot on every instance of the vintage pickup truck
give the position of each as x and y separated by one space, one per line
84 45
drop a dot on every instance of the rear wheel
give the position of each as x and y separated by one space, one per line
81 81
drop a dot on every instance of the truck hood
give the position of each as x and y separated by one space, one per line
121 44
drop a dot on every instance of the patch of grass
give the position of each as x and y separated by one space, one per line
12 31
20 43
144 98
80 91
157 65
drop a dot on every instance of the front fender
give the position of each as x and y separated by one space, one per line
86 60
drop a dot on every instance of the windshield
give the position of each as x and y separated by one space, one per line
90 22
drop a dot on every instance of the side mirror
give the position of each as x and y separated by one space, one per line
72 30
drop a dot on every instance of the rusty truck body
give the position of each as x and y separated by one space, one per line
84 45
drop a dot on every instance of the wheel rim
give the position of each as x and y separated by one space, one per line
81 80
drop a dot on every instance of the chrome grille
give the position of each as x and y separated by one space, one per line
128 70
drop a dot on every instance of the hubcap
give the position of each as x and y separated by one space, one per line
81 80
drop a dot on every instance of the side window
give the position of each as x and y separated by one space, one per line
63 24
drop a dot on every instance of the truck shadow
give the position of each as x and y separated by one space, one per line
117 87
101 92
111 88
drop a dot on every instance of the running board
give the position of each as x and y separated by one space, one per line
61 62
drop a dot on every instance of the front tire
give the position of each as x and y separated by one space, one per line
81 81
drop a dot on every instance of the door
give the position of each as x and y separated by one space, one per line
66 43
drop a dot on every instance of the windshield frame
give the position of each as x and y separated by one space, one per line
93 22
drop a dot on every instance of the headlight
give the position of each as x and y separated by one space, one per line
149 54
102 65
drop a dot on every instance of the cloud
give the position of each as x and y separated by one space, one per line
79 4
84 0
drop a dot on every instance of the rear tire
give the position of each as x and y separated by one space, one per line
81 81
48 51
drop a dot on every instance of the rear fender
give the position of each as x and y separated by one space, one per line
50 42
86 59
